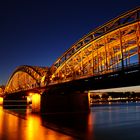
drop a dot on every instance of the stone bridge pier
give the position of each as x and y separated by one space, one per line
64 102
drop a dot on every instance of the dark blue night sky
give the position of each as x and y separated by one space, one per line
37 32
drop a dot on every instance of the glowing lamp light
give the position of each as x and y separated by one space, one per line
43 79
53 76
1 100
30 94
63 75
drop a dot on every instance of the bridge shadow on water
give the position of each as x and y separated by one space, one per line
76 125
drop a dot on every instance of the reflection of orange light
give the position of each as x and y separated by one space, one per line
35 131
31 128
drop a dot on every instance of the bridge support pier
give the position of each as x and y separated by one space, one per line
1 100
64 102
36 97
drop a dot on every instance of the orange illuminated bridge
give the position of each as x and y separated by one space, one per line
107 49
114 45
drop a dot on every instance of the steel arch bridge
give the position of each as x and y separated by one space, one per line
112 46
26 78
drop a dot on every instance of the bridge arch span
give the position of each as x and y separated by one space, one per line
27 77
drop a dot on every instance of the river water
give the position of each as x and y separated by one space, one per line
104 122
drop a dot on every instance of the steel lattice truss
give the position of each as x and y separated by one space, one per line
114 45
27 77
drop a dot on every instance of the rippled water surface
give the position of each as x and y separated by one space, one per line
119 122
106 122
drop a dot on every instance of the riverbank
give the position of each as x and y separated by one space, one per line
115 103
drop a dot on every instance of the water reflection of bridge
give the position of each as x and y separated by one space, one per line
108 56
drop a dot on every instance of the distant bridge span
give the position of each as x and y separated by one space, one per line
26 78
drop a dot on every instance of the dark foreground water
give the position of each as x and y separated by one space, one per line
105 122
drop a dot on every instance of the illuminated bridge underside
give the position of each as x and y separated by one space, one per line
110 47
26 78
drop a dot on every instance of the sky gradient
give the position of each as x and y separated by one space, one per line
37 32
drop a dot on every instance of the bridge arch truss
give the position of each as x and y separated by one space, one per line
26 78
108 48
